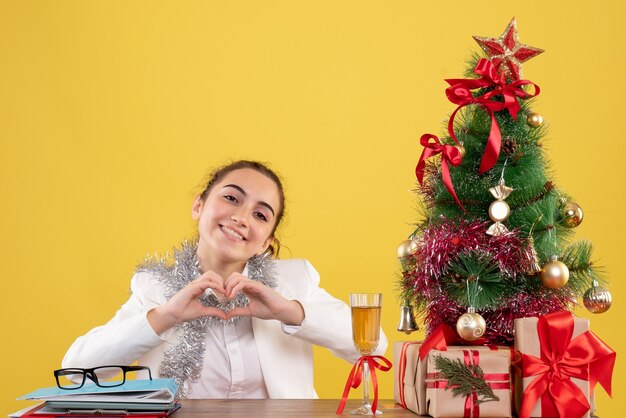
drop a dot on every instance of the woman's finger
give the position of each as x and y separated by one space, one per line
232 281
200 287
210 311
212 277
236 288
239 311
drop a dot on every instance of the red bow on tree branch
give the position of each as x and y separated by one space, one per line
460 93
449 155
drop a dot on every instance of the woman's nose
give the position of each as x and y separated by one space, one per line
239 218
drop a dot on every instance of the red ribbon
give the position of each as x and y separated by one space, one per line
472 407
402 370
585 357
356 376
443 336
460 93
449 155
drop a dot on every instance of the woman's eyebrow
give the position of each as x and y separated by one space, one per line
243 192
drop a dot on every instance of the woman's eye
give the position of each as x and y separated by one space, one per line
260 216
230 198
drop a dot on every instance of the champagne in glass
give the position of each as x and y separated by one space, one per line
366 328
365 333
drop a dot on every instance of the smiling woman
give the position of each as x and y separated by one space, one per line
227 320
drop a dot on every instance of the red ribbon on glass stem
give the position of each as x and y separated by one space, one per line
356 376
449 155
460 93
585 357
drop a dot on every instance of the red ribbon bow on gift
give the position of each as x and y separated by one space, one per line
356 376
585 357
442 337
460 93
449 155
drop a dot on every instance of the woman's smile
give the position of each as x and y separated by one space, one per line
232 234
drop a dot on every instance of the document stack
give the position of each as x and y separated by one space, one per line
135 398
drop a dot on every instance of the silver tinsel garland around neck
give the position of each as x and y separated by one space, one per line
184 360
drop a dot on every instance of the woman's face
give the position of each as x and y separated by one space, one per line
236 220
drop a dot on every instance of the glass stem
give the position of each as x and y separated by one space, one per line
366 383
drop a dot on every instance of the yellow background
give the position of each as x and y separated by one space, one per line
112 112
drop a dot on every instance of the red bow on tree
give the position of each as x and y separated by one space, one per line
449 155
585 357
460 93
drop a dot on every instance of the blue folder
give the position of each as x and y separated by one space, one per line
135 391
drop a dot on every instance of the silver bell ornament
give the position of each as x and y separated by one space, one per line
407 322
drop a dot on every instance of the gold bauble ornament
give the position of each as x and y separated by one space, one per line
535 120
572 214
471 326
597 299
461 149
406 249
554 274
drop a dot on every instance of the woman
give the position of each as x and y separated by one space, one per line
226 320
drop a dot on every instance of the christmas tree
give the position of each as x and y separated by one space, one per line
495 240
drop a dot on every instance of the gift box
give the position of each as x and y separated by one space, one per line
561 361
406 389
494 380
410 359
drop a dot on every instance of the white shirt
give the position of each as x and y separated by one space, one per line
231 363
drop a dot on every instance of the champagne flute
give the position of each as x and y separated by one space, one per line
365 333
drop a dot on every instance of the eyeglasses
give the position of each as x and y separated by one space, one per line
74 378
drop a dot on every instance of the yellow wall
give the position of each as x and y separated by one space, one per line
111 112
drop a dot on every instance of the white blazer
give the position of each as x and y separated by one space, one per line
285 355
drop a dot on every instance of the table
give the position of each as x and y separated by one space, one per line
292 408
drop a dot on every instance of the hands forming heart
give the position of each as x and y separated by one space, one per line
265 303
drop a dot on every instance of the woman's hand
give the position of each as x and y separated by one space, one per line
265 302
185 305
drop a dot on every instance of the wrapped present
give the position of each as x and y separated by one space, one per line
406 389
561 362
468 382
411 357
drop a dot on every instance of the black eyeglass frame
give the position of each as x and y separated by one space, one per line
91 374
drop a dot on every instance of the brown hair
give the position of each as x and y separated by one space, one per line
221 172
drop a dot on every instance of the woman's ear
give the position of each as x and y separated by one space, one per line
266 245
196 208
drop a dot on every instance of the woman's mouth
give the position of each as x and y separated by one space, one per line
232 233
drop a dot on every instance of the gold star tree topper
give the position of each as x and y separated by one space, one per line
507 53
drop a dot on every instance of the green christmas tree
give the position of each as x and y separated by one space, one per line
496 231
